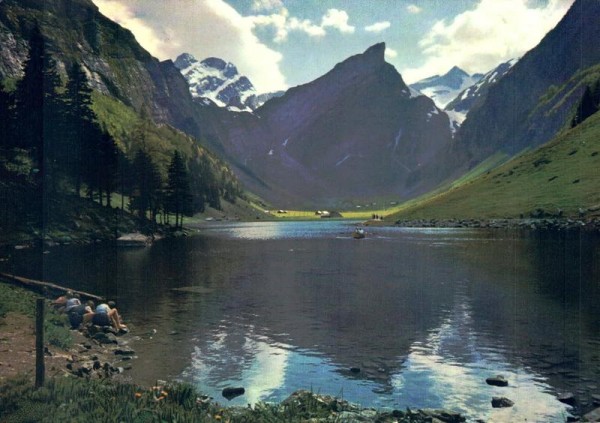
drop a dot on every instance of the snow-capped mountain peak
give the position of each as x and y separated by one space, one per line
214 81
458 108
443 89
465 100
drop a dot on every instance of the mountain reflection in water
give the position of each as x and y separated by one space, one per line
426 315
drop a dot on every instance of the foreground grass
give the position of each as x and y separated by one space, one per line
80 400
561 175
88 401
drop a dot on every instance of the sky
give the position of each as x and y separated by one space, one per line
283 43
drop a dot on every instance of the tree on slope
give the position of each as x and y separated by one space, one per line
36 105
178 198
146 192
6 118
81 129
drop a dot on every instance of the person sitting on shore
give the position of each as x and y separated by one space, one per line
104 315
66 302
77 314
72 302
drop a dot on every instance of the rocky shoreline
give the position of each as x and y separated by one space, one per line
100 353
544 224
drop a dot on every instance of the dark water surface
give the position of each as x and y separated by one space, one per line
426 314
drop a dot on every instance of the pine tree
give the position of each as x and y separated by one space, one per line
124 176
80 124
90 158
108 158
178 198
30 95
212 193
6 119
197 185
35 102
145 196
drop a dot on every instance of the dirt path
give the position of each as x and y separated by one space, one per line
17 350
17 346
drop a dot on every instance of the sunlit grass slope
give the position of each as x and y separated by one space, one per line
562 174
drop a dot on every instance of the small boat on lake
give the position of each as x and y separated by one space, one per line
358 233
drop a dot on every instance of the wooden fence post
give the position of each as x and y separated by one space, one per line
39 343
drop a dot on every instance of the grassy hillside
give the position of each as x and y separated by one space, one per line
562 174
122 121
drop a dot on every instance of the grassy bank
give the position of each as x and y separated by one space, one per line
559 176
21 301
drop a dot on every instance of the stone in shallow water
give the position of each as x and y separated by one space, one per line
194 289
567 398
501 402
231 393
124 351
497 381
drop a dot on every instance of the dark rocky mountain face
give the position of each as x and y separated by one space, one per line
521 110
116 64
354 133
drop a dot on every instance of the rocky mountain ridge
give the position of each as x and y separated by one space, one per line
356 132
115 63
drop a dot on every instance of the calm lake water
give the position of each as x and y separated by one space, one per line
425 314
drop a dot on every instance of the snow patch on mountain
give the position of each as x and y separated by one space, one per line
346 157
456 119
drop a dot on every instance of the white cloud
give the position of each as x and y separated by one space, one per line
203 28
258 5
307 27
390 53
492 32
378 27
126 17
337 19
282 24
413 9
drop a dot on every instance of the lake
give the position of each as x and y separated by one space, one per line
421 316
